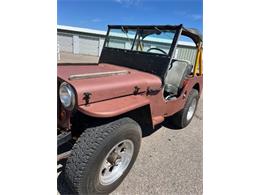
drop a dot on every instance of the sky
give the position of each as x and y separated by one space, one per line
97 14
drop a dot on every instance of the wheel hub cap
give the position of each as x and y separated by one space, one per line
113 158
116 162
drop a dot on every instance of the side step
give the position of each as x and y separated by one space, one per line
157 120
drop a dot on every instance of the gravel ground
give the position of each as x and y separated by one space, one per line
169 162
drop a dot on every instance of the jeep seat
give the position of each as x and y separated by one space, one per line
176 76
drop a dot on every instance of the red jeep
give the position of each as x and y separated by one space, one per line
104 108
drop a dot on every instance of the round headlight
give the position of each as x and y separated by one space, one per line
67 96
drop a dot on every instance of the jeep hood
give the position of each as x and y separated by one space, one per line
106 81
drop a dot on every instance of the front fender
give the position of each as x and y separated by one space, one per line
114 107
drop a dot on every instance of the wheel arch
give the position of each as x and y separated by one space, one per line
197 87
142 115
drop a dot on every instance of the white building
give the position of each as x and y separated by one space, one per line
86 41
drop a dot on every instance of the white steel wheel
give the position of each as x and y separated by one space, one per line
183 118
116 162
191 109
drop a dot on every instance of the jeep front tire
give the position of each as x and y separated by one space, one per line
102 157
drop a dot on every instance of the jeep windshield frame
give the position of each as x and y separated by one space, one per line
156 63
141 39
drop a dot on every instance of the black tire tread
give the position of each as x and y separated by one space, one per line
86 147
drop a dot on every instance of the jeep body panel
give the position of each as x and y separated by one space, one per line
173 106
122 98
107 87
161 108
114 107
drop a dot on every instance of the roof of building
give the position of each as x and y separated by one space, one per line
78 29
103 33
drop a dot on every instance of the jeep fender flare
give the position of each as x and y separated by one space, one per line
114 107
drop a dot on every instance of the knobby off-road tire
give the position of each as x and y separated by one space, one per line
183 118
84 167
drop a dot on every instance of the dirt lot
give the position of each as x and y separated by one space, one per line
169 162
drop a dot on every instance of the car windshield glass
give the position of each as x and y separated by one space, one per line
152 40
121 38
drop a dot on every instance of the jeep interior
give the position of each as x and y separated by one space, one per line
178 71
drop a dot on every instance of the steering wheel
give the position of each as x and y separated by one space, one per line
158 49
